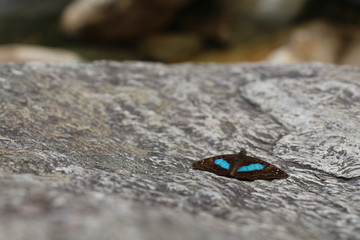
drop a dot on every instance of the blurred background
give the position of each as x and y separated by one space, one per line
172 31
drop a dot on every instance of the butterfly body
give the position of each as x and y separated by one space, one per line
240 167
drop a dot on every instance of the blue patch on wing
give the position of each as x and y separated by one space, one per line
251 167
222 163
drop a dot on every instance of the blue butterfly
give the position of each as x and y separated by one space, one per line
240 166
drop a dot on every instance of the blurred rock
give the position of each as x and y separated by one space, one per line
171 47
250 51
320 41
274 12
315 41
19 9
223 21
23 53
233 20
208 19
351 55
31 22
117 19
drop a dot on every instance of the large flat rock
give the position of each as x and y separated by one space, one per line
104 151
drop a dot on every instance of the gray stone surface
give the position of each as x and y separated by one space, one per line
104 151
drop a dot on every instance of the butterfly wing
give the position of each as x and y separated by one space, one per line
252 170
219 165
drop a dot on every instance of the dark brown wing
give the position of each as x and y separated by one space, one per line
269 172
208 164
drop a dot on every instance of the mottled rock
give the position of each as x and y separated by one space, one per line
19 53
104 151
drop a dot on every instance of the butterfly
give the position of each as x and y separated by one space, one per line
240 166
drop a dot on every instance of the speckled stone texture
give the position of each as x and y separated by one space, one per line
104 151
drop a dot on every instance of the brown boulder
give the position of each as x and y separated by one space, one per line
118 20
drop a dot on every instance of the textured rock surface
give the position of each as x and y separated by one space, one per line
103 151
